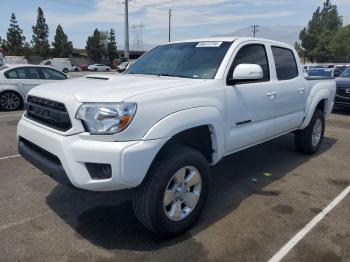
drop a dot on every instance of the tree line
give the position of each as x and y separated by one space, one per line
98 46
325 39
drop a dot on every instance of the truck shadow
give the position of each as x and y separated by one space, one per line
107 219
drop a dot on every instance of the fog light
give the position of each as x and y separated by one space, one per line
99 171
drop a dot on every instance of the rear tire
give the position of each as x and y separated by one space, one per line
162 203
10 101
65 70
309 140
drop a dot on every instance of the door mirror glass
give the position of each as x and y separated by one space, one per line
248 72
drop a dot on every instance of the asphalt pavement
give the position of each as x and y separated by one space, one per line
259 200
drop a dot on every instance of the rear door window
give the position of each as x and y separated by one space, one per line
286 65
18 73
52 74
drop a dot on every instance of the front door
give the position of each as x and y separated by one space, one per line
250 105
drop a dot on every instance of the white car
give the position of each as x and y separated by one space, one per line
99 68
17 80
180 108
61 64
123 66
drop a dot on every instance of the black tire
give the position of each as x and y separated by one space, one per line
18 104
149 196
108 69
95 69
304 138
65 70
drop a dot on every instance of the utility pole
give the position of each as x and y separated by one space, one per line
255 29
170 10
126 45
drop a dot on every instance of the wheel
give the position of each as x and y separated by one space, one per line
65 70
309 140
95 69
108 69
171 198
10 101
76 69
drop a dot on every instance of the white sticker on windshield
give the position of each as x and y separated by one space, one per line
209 44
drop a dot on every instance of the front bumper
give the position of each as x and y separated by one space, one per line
64 157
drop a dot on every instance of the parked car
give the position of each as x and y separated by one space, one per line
15 60
99 68
17 80
321 73
61 64
76 68
342 98
308 67
158 127
84 67
123 66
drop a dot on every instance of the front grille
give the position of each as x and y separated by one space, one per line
343 93
48 112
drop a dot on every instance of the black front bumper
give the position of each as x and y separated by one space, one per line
45 161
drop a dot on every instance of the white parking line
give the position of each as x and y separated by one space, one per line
10 115
7 157
302 233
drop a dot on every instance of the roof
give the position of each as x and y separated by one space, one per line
231 39
24 65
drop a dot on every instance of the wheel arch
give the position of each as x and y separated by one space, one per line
319 102
203 125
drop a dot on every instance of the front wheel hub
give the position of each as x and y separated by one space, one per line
182 193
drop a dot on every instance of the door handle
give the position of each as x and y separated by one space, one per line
301 90
272 94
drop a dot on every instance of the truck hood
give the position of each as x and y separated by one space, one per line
343 82
107 88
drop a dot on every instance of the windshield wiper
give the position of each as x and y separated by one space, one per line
173 75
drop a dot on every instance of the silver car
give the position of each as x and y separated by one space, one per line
17 80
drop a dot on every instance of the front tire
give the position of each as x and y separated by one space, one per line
10 101
173 194
309 140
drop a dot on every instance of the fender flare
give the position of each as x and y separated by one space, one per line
313 101
177 122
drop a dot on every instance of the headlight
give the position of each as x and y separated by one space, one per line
106 118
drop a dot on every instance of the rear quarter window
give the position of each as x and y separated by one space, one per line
286 65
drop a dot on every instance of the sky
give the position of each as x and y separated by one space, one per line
190 18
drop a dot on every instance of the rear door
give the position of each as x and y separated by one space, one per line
290 87
24 78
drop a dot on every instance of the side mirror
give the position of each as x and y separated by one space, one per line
248 72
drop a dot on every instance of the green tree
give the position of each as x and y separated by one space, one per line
95 45
62 47
112 52
340 45
300 50
316 38
14 42
40 35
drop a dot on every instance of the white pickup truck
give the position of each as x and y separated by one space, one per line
180 108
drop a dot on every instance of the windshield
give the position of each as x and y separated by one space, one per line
200 60
321 72
346 73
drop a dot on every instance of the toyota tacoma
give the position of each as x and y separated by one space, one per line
178 109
